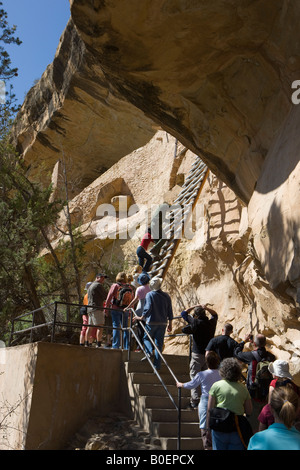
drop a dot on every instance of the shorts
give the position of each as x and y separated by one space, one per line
96 317
85 322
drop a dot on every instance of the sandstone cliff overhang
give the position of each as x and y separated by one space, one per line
73 113
216 75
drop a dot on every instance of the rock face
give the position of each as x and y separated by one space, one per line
216 264
217 76
72 114
274 209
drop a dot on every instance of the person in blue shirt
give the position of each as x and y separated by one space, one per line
282 434
158 316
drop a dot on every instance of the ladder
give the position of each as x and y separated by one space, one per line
183 207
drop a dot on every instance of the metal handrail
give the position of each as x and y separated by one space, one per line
131 331
177 407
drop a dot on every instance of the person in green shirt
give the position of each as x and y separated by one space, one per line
231 394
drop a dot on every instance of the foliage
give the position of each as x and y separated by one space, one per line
24 210
7 98
29 281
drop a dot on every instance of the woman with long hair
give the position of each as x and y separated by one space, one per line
282 434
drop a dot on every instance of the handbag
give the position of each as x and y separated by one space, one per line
222 420
244 429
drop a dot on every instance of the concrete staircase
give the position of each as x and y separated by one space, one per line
153 409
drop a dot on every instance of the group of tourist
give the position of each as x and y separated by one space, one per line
259 412
136 292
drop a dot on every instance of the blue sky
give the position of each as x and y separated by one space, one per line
40 24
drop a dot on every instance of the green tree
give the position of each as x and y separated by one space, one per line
27 280
25 210
7 72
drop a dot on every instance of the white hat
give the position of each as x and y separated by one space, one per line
155 283
87 285
280 369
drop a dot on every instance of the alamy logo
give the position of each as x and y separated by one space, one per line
166 222
296 94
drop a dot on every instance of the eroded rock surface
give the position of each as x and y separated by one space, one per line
217 76
215 263
73 114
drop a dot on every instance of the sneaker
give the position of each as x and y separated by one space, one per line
147 357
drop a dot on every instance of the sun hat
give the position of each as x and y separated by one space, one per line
155 283
280 368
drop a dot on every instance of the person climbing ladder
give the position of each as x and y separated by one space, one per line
142 253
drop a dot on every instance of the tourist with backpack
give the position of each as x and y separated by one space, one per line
253 358
118 298
258 375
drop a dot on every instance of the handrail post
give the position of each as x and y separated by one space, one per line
179 420
130 314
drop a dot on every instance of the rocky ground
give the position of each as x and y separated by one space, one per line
112 432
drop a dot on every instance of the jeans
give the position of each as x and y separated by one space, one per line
202 411
142 255
197 364
226 441
157 333
117 316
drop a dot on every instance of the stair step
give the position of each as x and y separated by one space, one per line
144 366
163 402
154 410
146 389
170 429
171 415
151 378
186 443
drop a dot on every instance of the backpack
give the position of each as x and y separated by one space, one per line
261 378
124 295
83 310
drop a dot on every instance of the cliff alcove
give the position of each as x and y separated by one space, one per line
136 92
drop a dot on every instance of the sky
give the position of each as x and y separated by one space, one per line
40 23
